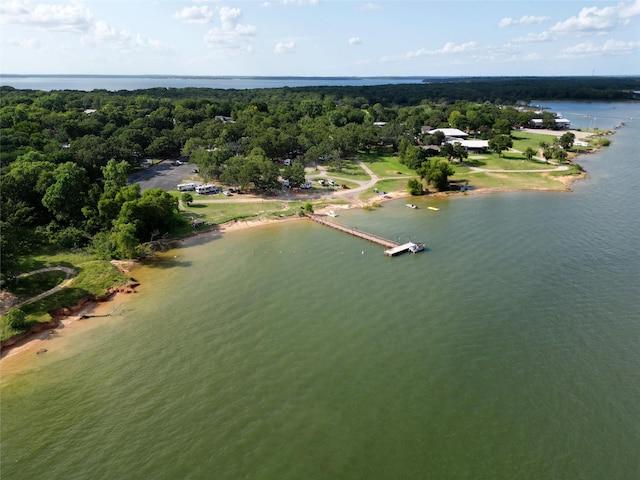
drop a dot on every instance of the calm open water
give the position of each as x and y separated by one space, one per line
508 350
133 82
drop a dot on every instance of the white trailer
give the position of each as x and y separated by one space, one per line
186 187
205 189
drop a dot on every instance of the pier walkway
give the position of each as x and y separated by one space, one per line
392 248
354 231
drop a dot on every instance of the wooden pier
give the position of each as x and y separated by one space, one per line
392 248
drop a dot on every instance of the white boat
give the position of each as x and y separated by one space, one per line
416 247
331 213
411 205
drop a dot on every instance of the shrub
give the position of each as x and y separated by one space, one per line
15 319
414 187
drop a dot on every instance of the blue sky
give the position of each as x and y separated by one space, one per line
320 37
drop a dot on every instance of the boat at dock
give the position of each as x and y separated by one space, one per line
331 213
416 247
392 248
411 247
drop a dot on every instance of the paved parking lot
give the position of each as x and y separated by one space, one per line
164 175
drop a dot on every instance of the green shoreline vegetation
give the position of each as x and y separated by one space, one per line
67 156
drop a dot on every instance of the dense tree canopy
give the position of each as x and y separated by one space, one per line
65 155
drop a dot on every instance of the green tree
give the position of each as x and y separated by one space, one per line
561 155
446 150
529 153
211 163
16 320
458 120
414 186
115 174
436 172
187 199
295 174
499 143
66 196
124 240
566 140
549 120
459 151
414 156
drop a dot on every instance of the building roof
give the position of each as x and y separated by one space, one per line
472 144
450 132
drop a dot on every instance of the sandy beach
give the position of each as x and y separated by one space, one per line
40 343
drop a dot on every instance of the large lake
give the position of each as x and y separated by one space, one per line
134 82
507 350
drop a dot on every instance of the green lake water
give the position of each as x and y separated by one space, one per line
508 350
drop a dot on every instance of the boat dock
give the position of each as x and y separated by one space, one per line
412 247
392 248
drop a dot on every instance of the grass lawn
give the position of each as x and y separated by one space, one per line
522 140
94 278
225 212
508 161
350 170
399 185
33 285
507 181
386 165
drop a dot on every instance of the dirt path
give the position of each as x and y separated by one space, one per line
9 301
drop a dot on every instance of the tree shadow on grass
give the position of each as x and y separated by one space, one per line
473 162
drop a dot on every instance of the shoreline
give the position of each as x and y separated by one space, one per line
63 318
96 306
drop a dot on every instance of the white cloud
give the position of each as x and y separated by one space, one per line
104 34
194 14
371 6
526 20
535 37
73 17
300 2
506 53
32 43
448 48
631 9
355 41
610 47
589 20
230 17
231 35
285 47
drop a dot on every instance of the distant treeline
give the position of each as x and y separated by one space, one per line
497 90
473 89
